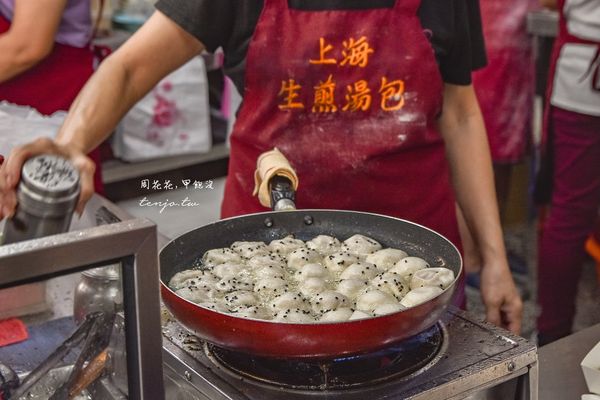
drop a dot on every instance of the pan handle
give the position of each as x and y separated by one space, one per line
283 196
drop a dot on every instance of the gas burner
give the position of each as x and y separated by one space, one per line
404 359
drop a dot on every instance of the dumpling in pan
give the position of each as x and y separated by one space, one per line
420 295
388 308
439 277
351 287
184 278
268 271
294 316
312 270
270 287
220 256
408 266
311 286
255 312
265 260
391 283
240 298
372 299
215 306
328 300
361 245
324 244
339 261
385 259
357 314
194 294
339 315
250 249
227 270
286 245
289 301
300 257
232 283
360 270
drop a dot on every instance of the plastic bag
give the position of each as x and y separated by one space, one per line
172 119
21 124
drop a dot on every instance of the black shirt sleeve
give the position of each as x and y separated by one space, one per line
211 22
457 37
454 27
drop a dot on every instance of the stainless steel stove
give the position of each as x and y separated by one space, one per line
459 358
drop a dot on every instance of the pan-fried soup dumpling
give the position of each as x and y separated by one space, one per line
300 257
357 314
439 277
268 271
182 278
391 283
360 270
372 299
266 259
228 270
215 306
270 287
294 316
408 266
338 315
232 283
289 301
388 308
385 259
255 312
311 286
194 294
361 245
286 245
351 287
420 295
324 244
250 249
240 298
312 270
328 300
220 256
339 261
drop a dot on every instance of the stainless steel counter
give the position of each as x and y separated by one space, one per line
561 377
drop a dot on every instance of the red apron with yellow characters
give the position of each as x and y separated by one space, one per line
351 98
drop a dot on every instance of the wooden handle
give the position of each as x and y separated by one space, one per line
89 374
269 165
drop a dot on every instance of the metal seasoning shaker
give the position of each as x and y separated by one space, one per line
46 195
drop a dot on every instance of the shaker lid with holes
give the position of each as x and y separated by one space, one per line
51 176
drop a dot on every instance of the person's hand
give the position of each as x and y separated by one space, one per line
500 296
10 172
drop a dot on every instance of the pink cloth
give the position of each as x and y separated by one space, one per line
75 26
573 212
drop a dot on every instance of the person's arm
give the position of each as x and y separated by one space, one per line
159 47
467 149
30 37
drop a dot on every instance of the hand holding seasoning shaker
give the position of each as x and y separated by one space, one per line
47 195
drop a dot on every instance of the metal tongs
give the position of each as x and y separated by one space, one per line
94 333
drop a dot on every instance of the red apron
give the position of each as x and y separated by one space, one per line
53 84
351 98
505 88
543 186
